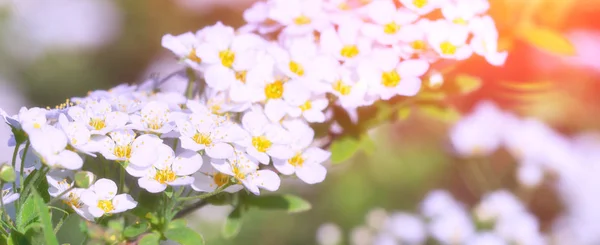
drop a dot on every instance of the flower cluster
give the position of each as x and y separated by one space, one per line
292 53
499 218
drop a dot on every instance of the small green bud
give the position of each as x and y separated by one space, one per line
84 179
7 173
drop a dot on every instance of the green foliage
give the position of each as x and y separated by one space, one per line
42 209
26 215
284 202
184 236
442 113
135 230
233 223
150 239
344 148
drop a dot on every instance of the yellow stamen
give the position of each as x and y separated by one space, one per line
274 90
459 21
73 201
420 3
164 176
297 160
302 20
418 45
238 173
306 106
296 68
227 57
341 88
221 179
448 48
390 79
241 76
106 205
261 143
349 51
202 139
122 151
391 28
193 57
97 123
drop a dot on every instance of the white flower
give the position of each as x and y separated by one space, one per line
486 120
245 170
306 162
485 40
299 59
122 145
267 139
154 117
102 198
498 204
486 238
454 226
299 16
208 179
437 202
329 234
409 228
170 169
226 55
98 117
207 134
520 228
184 46
9 196
388 23
346 43
344 82
60 181
79 135
50 145
423 7
311 109
388 77
462 12
257 19
30 120
449 40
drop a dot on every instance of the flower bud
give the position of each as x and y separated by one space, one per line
84 179
7 173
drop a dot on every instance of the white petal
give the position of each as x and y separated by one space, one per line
151 185
186 163
267 179
219 77
105 189
220 150
123 202
284 167
70 160
409 86
185 180
95 211
280 151
203 183
311 173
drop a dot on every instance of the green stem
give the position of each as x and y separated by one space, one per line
14 161
22 168
60 195
207 195
2 200
121 178
189 91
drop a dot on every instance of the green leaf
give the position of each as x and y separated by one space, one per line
184 236
546 39
343 148
136 229
286 202
17 238
367 144
232 224
169 192
443 113
150 239
178 223
45 219
27 214
467 84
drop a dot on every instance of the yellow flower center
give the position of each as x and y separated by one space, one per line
302 20
164 176
460 21
390 79
220 179
155 124
37 125
241 76
274 90
297 160
261 143
391 28
122 151
193 57
73 201
296 68
343 6
227 57
238 173
418 45
106 205
202 139
420 3
97 123
306 106
342 88
349 51
448 48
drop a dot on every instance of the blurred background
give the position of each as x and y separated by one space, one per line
53 50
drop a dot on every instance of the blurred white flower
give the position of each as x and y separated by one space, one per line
329 234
